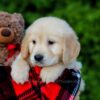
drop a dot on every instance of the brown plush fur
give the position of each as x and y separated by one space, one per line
14 23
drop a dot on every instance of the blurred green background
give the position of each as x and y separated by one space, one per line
84 17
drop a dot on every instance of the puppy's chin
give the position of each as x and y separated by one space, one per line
46 63
41 64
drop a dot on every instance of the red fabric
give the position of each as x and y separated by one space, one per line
50 90
20 88
12 48
64 88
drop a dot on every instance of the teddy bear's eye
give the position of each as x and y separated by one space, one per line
50 42
34 42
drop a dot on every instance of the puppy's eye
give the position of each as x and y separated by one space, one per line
34 42
51 42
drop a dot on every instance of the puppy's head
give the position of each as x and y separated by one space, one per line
49 41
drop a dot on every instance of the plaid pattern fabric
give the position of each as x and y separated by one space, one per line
64 88
8 53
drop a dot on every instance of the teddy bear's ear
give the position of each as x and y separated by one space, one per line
18 17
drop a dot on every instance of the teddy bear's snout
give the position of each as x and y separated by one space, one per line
6 32
6 35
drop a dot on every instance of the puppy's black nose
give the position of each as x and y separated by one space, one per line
38 57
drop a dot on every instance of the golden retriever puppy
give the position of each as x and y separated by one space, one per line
50 43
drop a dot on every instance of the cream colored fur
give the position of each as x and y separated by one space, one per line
62 54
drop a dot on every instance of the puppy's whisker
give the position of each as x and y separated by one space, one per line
39 63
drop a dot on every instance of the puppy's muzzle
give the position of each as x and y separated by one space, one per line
38 57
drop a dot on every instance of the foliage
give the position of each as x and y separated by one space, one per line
85 20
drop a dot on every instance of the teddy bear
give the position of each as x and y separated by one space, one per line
11 34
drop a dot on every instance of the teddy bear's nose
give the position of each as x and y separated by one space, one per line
5 32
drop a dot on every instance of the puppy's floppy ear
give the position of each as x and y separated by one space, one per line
71 49
24 47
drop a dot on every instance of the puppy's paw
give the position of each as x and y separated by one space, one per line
20 70
20 75
50 74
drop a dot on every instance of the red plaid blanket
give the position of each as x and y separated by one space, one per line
64 88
